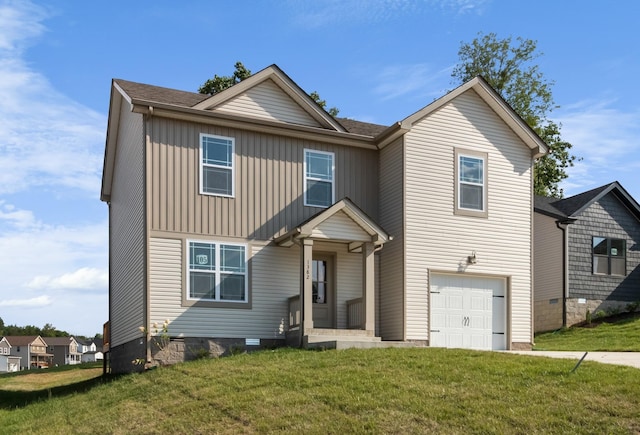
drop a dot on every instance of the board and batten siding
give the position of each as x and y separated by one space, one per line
437 239
127 229
547 259
268 182
268 101
391 276
275 276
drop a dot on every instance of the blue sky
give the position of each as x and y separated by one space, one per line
377 61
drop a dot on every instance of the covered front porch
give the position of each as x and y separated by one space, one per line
336 301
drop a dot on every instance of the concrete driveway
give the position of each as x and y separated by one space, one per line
631 359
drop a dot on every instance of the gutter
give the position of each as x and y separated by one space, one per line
564 227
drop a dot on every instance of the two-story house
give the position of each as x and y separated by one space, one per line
32 351
65 350
253 218
8 363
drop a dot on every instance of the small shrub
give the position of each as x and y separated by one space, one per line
588 317
600 314
613 311
200 353
633 306
236 349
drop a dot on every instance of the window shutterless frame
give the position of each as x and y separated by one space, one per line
217 165
609 256
319 178
470 195
217 272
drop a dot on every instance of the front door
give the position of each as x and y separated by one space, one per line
323 292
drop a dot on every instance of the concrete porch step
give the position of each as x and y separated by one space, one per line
325 335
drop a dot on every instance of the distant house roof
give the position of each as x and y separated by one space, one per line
58 341
21 340
573 206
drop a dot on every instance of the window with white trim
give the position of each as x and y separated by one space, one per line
609 256
471 183
216 165
217 272
318 178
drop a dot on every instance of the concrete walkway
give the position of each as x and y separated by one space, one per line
631 359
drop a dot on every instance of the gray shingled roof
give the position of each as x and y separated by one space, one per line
572 206
363 128
158 94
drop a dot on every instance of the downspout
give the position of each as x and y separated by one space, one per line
564 227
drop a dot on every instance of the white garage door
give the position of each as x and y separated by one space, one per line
468 312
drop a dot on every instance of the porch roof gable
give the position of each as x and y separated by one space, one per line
327 224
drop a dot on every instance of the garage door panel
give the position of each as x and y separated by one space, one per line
466 313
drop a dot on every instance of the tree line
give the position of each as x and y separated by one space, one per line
48 330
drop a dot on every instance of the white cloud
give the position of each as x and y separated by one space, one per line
39 301
311 15
20 22
606 138
84 278
46 139
418 80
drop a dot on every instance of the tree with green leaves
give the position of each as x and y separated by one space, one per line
220 83
511 70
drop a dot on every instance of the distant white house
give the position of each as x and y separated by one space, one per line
92 356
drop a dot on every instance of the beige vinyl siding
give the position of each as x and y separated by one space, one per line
268 182
275 276
340 227
436 239
547 261
268 101
391 293
127 244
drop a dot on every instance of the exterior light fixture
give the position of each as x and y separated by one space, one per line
472 259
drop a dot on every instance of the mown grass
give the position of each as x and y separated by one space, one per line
610 335
352 391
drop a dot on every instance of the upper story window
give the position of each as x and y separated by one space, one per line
471 183
318 178
609 256
217 272
216 165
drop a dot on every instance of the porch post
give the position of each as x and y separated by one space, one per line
306 289
368 285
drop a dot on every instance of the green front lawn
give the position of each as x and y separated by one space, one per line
619 334
419 390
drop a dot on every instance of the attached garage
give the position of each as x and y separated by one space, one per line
468 312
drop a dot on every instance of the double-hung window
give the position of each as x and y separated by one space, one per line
318 178
216 165
609 256
217 272
471 183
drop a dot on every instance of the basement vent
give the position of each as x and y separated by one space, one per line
252 341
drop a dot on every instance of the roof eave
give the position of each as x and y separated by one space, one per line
246 123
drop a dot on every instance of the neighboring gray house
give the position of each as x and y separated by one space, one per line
31 349
8 363
587 255
253 218
65 350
